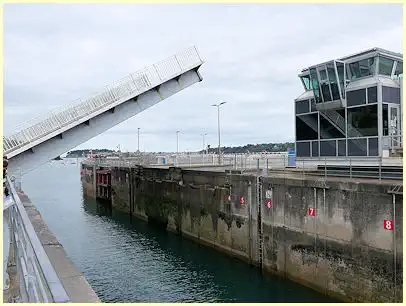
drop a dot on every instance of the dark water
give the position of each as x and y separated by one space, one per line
126 260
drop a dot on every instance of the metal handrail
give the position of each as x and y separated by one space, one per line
130 86
38 279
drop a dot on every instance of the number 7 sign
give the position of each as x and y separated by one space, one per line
311 212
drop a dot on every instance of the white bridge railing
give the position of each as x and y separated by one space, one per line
128 87
38 280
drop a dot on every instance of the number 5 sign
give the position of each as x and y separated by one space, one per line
388 225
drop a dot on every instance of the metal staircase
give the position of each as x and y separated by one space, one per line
338 122
311 122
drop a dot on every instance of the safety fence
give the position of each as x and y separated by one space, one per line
356 167
38 281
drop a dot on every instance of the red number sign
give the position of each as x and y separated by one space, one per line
242 200
311 212
388 225
268 204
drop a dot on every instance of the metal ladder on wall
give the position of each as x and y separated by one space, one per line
259 221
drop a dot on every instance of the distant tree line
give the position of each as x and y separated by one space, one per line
255 148
84 152
249 148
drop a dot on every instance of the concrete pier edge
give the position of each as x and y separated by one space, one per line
75 284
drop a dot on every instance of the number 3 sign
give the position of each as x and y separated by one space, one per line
388 225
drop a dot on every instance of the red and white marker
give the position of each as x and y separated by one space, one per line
388 225
242 201
268 204
311 212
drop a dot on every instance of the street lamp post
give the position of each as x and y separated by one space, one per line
177 147
177 142
204 149
138 151
218 124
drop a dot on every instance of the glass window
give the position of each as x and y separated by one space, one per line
323 74
385 119
363 68
399 70
315 148
372 94
342 148
372 146
325 89
333 81
357 147
315 85
328 130
356 97
303 149
307 127
340 72
385 66
328 148
362 121
302 106
313 105
393 120
390 94
306 82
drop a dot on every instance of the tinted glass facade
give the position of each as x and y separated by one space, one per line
352 127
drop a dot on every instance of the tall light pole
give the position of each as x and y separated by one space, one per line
138 151
177 147
204 134
218 124
177 142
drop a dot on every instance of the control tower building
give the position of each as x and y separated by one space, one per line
351 111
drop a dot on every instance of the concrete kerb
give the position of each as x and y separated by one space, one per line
76 286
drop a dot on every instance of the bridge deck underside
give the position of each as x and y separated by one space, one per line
64 130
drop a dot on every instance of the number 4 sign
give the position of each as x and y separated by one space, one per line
388 225
311 212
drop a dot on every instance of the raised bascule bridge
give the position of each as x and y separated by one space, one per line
44 274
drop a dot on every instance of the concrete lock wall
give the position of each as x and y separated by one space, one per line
343 250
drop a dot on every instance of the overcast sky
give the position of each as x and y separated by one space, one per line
56 53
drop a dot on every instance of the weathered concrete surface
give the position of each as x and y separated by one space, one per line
343 251
76 286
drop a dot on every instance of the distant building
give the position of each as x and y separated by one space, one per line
351 107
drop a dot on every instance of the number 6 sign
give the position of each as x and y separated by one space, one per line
388 225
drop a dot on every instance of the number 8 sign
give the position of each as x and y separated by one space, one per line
388 225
